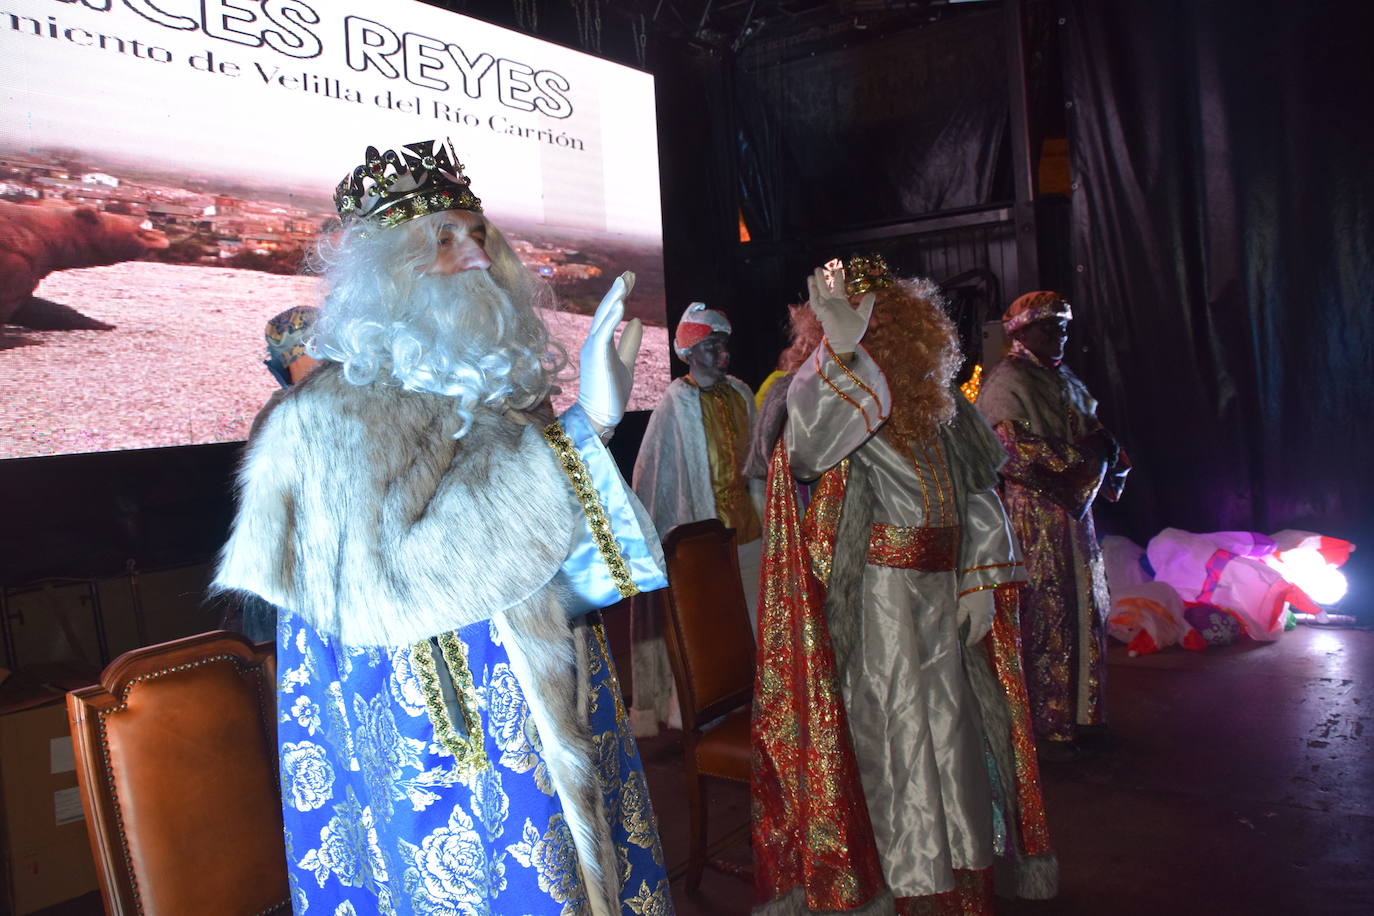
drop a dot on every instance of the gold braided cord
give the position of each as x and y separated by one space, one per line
981 588
944 464
905 446
600 630
989 566
852 377
868 424
455 657
581 481
935 478
469 754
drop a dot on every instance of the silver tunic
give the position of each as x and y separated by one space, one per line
914 720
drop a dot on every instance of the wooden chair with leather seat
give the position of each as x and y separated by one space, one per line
177 762
711 650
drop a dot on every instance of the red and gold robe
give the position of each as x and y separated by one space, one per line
871 743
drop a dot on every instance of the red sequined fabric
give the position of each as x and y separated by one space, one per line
1004 646
810 822
903 547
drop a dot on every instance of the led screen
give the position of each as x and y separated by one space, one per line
164 164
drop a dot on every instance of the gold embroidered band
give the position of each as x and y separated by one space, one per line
906 547
469 753
421 204
600 630
581 481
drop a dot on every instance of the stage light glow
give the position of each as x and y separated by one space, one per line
1309 571
1326 642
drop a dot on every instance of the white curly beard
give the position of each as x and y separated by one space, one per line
468 336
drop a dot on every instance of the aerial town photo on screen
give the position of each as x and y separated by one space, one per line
132 302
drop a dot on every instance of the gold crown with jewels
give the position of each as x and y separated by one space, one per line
866 272
392 187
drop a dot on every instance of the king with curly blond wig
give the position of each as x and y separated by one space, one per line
915 344
887 612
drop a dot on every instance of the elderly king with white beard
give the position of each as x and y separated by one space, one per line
438 546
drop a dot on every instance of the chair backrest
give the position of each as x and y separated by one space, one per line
177 762
710 642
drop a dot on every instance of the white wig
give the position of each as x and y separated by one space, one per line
474 336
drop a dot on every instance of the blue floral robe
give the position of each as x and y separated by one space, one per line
382 817
413 778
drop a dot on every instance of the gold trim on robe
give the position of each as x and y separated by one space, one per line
725 419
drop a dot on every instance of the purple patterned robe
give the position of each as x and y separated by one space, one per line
1047 420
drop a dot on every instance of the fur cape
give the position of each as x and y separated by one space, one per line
360 512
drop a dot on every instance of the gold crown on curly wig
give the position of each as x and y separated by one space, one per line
866 272
392 187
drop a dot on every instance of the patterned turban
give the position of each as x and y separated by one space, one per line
698 323
1033 307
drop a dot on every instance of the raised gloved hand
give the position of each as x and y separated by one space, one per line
608 372
843 324
977 609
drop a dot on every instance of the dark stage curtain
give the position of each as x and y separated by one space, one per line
882 129
696 164
1223 242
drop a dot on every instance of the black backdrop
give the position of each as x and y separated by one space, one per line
1223 240
869 131
841 141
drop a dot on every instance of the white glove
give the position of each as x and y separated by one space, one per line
844 325
608 372
978 609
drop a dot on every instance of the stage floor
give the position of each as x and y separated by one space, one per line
1239 780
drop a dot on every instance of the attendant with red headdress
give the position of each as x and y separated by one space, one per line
689 468
1061 457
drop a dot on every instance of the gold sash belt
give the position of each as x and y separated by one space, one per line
924 549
